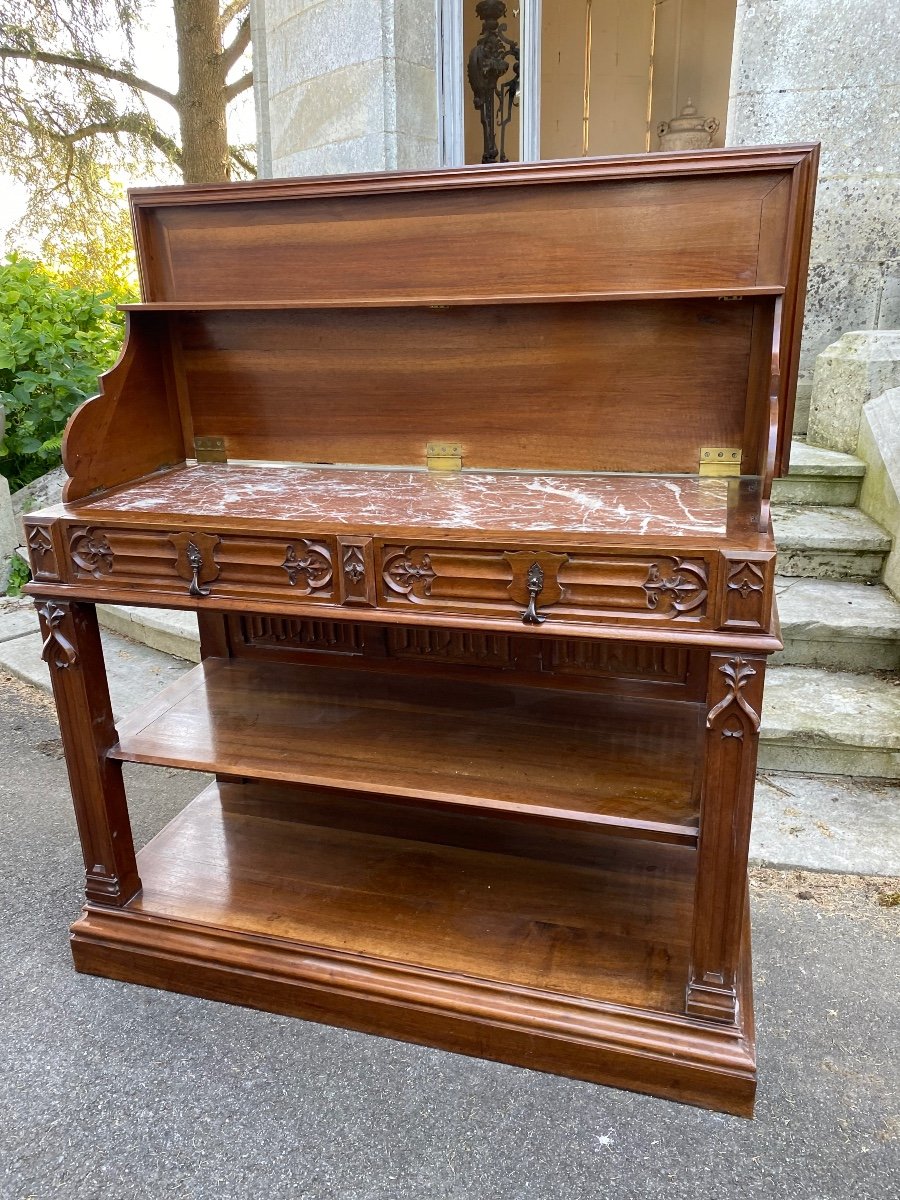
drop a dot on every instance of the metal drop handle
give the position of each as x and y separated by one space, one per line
534 581
195 559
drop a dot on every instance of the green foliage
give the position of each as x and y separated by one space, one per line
54 342
19 575
84 239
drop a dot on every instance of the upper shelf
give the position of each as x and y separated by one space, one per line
451 301
621 766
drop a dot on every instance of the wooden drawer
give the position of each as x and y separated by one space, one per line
537 585
204 564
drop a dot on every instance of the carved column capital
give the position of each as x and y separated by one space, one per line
58 650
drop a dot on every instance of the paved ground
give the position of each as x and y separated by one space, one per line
111 1092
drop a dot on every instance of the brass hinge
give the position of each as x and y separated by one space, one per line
210 449
443 456
720 460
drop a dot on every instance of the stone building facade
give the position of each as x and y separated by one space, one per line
370 85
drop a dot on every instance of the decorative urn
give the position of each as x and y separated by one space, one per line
687 131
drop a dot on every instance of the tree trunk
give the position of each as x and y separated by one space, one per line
201 92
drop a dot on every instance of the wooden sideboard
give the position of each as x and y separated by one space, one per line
466 474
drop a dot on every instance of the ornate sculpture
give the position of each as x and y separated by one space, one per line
487 66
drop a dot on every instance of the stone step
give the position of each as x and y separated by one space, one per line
842 626
830 723
819 476
829 542
167 629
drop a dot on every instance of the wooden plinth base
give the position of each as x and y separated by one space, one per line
458 935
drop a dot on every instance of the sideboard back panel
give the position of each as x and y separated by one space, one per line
597 236
531 386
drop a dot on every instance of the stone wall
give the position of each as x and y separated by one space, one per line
345 85
829 71
879 448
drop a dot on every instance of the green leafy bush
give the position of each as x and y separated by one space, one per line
19 575
54 342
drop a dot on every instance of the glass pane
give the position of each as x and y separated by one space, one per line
613 70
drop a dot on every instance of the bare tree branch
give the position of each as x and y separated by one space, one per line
239 44
239 85
92 66
135 123
242 161
230 11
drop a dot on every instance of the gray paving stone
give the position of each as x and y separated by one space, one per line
17 618
826 823
135 672
168 629
115 1092
816 460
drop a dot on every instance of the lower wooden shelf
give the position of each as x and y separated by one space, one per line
624 764
566 952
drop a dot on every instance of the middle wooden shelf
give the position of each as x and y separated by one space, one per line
604 761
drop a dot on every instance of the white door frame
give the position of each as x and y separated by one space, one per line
453 91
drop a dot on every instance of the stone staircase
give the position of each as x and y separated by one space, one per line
832 700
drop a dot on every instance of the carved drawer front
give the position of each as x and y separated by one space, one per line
204 564
539 585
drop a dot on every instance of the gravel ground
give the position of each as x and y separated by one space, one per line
112 1092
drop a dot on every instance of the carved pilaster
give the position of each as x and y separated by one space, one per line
357 571
43 552
746 591
74 655
734 699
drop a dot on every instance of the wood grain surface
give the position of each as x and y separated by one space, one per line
628 765
618 930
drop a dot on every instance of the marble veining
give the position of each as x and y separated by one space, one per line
471 501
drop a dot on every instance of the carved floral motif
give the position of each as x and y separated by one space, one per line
402 573
91 552
738 673
312 564
745 578
39 543
57 650
354 564
686 584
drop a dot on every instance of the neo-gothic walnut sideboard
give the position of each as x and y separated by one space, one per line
466 475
